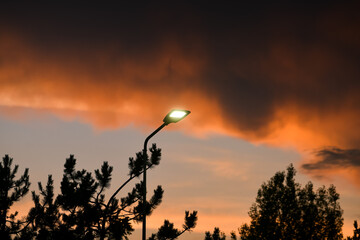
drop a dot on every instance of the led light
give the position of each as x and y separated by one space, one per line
175 116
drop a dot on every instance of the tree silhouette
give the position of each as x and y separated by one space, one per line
11 191
167 230
285 210
81 211
216 235
356 235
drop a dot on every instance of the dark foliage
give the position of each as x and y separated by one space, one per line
285 210
216 235
356 235
81 211
167 230
11 191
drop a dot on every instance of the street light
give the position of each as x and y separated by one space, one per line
172 117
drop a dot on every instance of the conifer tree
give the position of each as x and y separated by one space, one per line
11 191
81 210
167 231
216 235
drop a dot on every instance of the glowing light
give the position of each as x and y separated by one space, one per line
175 116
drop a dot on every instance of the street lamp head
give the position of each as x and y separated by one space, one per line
175 116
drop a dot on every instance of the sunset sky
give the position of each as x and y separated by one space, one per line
267 86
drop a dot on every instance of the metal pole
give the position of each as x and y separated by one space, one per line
144 179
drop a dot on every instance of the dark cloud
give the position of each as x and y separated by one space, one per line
333 157
261 64
287 59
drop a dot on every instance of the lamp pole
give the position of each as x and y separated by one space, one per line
144 178
172 117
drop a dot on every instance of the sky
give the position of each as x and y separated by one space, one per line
267 85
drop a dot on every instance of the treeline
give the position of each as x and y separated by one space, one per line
80 210
283 209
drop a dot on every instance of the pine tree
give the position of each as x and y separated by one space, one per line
11 191
216 235
167 230
81 210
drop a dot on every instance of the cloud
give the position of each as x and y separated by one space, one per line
333 161
335 157
284 75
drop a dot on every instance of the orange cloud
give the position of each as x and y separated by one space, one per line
279 79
